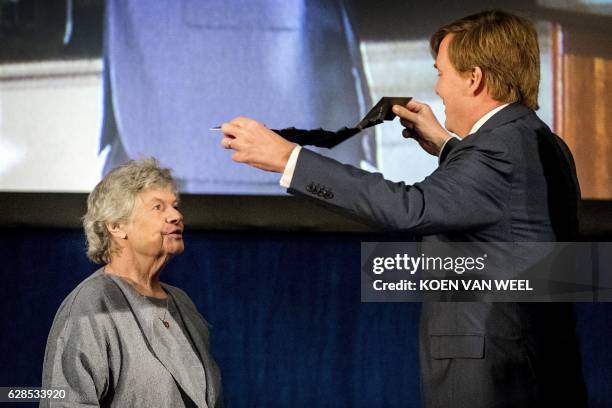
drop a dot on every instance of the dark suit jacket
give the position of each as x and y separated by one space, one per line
511 181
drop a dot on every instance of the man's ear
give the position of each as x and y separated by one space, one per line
116 230
477 82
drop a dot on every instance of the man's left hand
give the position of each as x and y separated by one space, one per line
256 145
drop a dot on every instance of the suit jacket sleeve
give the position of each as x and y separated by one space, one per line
76 355
447 148
469 190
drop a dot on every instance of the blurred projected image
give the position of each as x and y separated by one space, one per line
173 69
161 73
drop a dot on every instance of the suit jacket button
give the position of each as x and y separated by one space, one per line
310 187
328 195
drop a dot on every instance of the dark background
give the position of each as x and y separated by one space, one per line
289 329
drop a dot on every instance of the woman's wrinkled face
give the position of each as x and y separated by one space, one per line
155 228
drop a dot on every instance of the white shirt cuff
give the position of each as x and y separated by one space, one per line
285 180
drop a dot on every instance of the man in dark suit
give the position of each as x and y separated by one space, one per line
509 179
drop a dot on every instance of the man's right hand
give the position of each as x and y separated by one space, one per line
421 124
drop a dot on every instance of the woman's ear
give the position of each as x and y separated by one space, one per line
116 230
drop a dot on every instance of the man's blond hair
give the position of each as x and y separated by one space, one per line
504 46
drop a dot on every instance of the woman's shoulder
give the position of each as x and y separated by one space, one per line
92 294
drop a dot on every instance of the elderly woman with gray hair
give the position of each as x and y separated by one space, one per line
122 338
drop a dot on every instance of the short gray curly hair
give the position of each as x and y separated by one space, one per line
112 200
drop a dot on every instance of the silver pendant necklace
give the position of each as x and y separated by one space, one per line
163 319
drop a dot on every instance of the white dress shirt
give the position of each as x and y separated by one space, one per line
285 180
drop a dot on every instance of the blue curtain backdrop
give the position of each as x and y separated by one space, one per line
289 329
